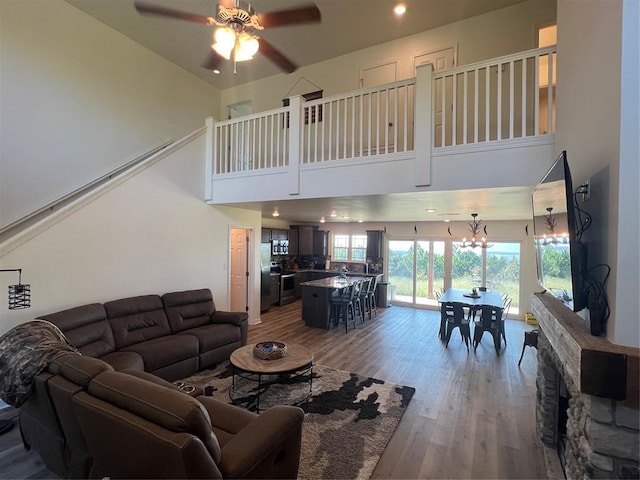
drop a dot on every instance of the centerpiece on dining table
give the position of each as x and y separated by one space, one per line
474 293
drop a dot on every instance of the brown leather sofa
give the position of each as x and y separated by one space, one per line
131 424
172 336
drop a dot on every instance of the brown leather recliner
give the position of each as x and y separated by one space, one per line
135 428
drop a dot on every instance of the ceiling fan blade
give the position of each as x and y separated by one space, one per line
213 60
148 9
276 57
295 16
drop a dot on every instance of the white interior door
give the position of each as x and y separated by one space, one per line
238 270
441 60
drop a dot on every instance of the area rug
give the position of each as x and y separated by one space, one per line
349 418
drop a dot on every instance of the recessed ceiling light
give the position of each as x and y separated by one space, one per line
431 210
360 221
400 9
322 220
276 213
216 71
333 213
447 220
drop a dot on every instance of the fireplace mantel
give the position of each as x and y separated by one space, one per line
596 366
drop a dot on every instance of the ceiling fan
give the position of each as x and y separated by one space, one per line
236 23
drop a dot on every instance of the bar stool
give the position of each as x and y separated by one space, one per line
531 340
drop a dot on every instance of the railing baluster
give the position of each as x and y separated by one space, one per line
499 103
395 120
464 107
487 100
369 124
524 98
476 106
550 90
344 130
454 110
511 99
536 107
443 118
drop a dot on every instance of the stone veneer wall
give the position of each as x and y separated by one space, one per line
602 434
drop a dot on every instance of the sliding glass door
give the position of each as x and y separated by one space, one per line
416 270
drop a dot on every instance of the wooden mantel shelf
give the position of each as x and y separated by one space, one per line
595 365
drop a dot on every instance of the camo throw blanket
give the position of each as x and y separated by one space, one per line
25 351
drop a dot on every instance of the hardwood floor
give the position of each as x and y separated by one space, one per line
472 415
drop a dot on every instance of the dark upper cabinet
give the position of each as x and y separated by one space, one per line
293 242
305 240
321 243
303 245
269 234
278 234
375 243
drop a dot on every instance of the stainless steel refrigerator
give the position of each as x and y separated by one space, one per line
265 279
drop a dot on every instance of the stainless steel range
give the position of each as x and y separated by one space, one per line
287 288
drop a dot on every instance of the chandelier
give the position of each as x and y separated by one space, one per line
553 238
475 227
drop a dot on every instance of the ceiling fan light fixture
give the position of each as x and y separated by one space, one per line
247 47
224 42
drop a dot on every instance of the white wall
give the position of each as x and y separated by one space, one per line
589 128
149 235
508 30
78 99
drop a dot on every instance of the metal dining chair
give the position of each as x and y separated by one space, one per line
452 315
490 321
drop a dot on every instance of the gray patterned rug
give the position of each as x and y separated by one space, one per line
349 419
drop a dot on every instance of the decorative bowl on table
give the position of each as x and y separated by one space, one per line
269 350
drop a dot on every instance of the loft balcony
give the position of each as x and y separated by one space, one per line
412 135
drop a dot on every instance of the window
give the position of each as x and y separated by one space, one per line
350 247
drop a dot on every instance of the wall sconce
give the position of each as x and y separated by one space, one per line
19 294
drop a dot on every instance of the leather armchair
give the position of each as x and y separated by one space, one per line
135 428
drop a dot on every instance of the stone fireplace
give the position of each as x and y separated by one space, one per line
587 396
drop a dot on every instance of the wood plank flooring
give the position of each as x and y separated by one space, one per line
472 415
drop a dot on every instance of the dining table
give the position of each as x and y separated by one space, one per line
470 299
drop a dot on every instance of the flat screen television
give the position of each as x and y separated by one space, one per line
560 255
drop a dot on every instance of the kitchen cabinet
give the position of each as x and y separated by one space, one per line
275 289
293 242
304 242
375 244
320 243
269 234
279 234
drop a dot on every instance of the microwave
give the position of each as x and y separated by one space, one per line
280 247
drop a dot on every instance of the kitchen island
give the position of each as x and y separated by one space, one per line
316 298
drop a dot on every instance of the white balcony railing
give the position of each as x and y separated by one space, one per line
506 98
500 99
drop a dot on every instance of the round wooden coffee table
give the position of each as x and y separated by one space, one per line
297 362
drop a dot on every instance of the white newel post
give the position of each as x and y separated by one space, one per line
208 159
423 124
295 144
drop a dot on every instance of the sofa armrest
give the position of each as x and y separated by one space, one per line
276 430
236 318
